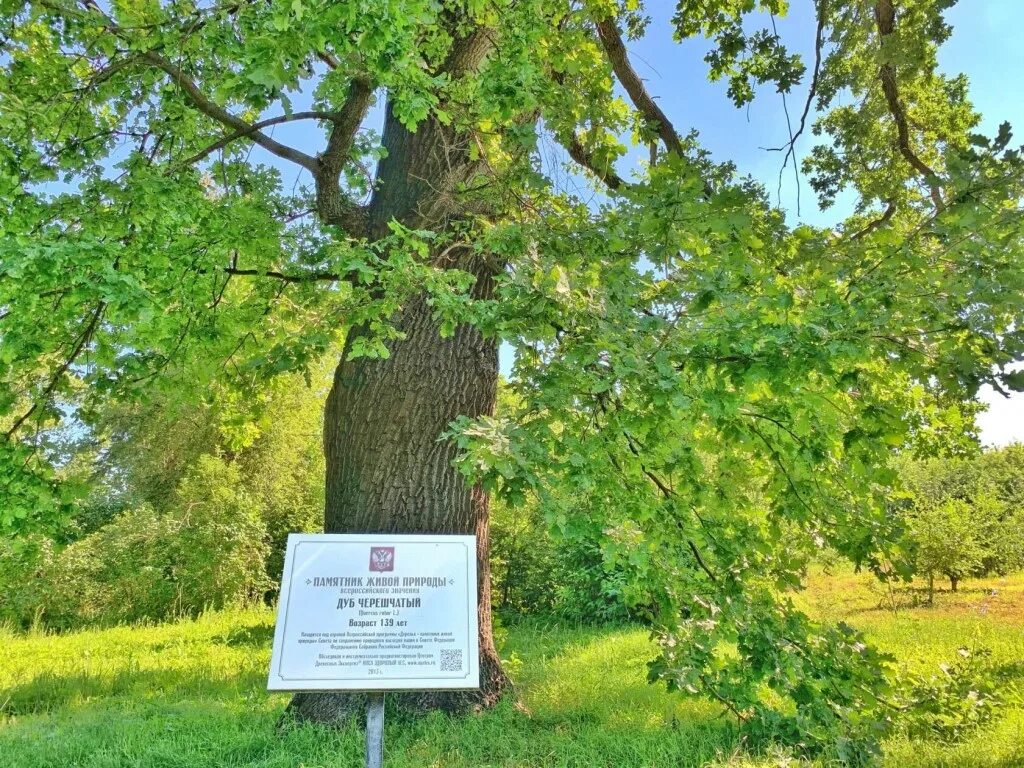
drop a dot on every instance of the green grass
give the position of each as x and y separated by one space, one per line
191 693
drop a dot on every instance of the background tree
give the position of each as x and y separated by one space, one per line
189 507
715 389
964 516
946 540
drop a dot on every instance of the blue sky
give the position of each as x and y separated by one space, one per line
985 45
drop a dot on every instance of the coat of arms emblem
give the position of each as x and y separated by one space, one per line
382 558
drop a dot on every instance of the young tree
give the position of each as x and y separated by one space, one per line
717 389
946 540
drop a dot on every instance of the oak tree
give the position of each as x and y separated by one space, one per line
712 387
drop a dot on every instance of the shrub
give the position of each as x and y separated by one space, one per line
208 551
964 696
219 550
23 563
535 570
118 573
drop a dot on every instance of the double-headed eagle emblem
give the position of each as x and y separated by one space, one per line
382 558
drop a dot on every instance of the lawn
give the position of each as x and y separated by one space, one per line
191 693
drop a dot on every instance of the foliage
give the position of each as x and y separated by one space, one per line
714 389
192 511
208 552
271 438
966 695
539 573
946 540
540 566
218 556
1003 473
997 472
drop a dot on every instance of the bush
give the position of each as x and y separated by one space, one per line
208 552
191 502
220 547
118 573
24 562
963 697
536 571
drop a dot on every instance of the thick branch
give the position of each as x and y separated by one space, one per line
255 127
333 205
195 95
58 374
312 277
876 223
221 115
885 18
616 50
580 154
468 52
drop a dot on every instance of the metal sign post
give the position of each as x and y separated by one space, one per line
375 729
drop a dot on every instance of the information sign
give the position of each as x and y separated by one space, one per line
376 612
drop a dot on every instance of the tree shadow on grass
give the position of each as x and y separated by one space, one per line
913 597
510 737
54 691
255 636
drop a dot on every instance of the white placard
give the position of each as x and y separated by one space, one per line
376 612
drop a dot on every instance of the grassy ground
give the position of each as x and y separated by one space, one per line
192 694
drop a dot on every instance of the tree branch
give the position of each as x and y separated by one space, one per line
468 52
819 42
329 59
885 19
54 381
312 277
580 154
253 128
660 484
875 223
333 205
635 88
221 115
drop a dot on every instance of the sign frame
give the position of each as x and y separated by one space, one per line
382 551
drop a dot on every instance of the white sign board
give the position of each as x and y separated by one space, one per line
376 612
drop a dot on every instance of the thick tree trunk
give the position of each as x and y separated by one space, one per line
387 470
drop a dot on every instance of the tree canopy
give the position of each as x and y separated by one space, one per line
715 389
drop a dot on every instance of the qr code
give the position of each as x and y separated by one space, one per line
451 660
